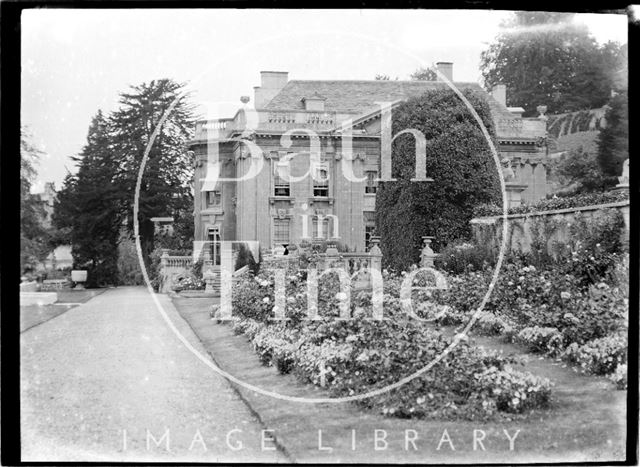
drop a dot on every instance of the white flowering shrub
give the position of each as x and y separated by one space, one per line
512 391
619 377
351 357
541 339
600 356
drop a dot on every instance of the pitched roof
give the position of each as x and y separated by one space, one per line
360 96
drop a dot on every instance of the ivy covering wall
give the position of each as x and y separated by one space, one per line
458 159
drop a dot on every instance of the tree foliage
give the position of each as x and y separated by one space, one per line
424 74
34 236
96 204
167 178
546 59
458 159
613 141
383 77
579 171
89 207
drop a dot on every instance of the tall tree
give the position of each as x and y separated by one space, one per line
167 179
34 237
547 59
424 74
458 160
613 140
89 206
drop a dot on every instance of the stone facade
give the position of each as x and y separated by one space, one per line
265 208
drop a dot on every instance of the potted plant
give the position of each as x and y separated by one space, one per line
79 276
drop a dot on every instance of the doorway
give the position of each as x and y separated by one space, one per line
213 238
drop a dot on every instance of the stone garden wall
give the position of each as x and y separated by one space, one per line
554 226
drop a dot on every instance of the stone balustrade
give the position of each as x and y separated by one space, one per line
268 120
180 262
171 267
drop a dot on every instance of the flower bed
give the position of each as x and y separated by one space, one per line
549 311
354 356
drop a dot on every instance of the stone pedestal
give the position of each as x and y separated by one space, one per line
211 280
332 250
376 253
427 256
623 180
514 194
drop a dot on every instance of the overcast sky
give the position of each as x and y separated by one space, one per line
75 62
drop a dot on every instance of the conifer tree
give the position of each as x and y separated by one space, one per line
167 179
89 206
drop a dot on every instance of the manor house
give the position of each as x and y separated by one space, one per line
277 210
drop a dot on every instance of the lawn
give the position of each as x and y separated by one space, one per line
33 315
584 423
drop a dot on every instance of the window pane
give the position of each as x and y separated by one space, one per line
321 186
372 184
314 232
281 231
281 186
213 198
368 233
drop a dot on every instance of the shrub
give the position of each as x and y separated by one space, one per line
154 270
513 391
600 356
459 162
595 245
613 141
187 281
129 272
196 269
359 355
491 324
580 170
527 297
458 257
543 340
245 258
619 377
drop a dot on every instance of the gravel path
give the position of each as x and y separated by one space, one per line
110 370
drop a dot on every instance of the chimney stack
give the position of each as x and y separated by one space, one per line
271 83
499 93
446 68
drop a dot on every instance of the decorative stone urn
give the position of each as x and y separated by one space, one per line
375 253
209 277
79 277
427 256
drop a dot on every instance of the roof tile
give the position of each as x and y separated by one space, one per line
361 96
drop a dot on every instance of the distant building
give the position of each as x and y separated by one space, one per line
271 210
61 257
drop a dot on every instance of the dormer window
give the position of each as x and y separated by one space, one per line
314 103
